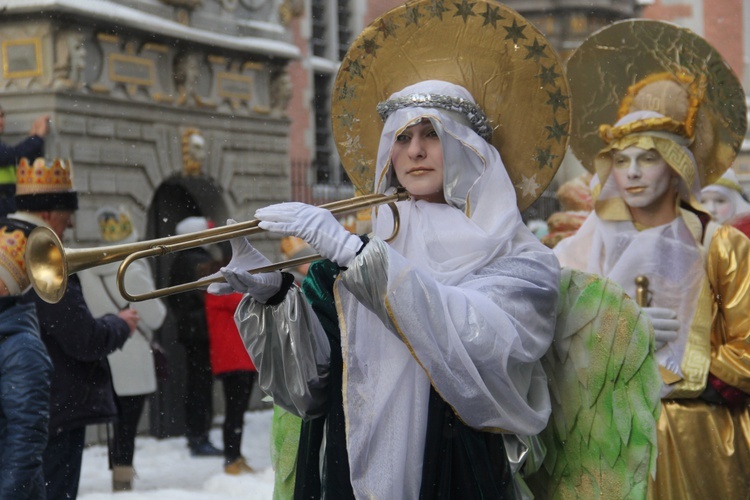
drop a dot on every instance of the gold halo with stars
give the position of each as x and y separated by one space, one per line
497 55
609 61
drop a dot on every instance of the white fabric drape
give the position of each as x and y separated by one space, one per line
465 298
472 292
670 255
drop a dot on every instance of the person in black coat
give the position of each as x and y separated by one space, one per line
30 148
78 343
25 371
192 332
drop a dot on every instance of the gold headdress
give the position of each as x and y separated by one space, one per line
644 65
45 185
500 58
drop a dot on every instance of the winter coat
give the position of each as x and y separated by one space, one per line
30 148
78 345
132 367
25 371
189 307
228 353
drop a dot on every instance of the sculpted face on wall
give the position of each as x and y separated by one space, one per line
71 61
280 92
187 73
193 151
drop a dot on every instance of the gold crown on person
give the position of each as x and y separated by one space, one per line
677 97
12 247
115 226
41 177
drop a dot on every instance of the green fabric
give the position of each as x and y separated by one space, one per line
8 174
285 432
604 383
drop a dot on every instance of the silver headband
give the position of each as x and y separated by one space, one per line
471 111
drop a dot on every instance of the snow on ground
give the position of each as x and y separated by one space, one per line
166 471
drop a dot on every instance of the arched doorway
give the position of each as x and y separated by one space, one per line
176 198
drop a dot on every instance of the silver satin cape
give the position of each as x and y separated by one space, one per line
465 299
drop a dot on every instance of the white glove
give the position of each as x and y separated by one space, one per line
666 325
315 225
260 286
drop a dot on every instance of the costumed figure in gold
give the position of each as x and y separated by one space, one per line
657 114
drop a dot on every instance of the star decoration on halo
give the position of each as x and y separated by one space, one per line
411 14
355 68
351 144
346 92
528 185
346 118
370 46
536 50
544 157
361 169
557 130
548 76
491 16
515 32
437 8
557 100
464 9
387 27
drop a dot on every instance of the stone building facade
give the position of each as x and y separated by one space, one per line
171 108
128 83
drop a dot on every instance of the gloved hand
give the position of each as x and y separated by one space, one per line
315 225
260 286
666 325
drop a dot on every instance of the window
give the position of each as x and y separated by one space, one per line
332 33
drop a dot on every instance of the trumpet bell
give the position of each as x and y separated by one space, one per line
46 264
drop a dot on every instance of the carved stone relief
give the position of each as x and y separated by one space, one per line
187 72
129 72
280 92
70 61
25 57
193 151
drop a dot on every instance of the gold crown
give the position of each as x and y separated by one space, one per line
115 226
676 96
42 178
12 247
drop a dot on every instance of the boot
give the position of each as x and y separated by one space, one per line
122 477
238 467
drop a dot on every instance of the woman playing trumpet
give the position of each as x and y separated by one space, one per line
404 354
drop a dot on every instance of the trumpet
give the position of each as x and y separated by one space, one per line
48 263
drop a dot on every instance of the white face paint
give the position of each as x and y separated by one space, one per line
642 176
718 205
